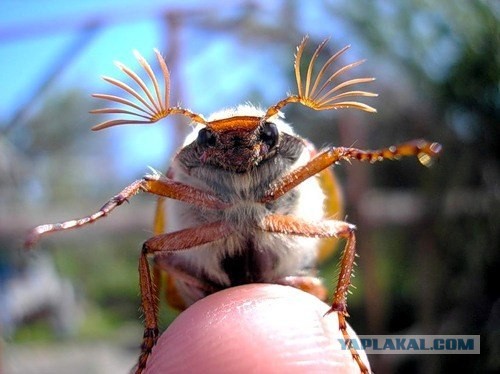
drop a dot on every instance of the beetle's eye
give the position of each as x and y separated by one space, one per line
269 134
206 137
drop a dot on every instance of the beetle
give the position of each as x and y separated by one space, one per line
248 200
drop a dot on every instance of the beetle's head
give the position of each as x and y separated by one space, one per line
237 143
236 139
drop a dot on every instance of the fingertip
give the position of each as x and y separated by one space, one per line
258 327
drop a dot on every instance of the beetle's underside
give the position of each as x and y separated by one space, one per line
239 145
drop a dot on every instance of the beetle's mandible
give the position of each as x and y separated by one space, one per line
248 200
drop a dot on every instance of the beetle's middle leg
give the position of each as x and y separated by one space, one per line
291 225
164 244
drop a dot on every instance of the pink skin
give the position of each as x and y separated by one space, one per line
256 328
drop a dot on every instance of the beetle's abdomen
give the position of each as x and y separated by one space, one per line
251 265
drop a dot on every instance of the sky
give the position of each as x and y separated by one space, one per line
26 59
216 70
46 28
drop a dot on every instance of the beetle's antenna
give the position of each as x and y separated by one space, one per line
317 93
151 107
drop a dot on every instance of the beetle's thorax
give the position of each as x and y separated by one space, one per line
245 171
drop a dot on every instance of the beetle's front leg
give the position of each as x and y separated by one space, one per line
419 148
35 234
153 184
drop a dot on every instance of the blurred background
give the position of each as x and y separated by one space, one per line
428 237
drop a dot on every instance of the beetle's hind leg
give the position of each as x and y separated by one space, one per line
306 283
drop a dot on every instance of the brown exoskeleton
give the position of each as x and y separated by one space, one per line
245 195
